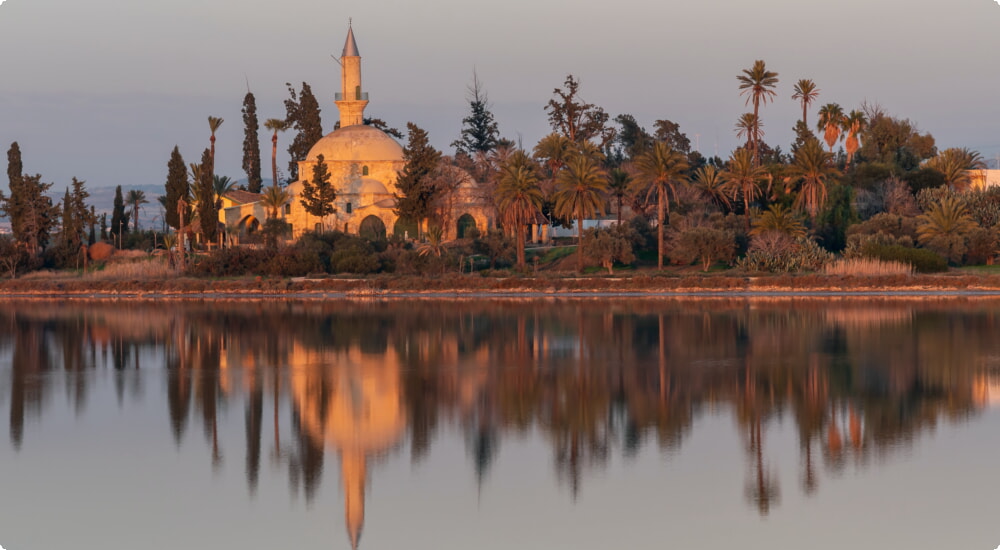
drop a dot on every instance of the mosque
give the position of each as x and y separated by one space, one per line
363 162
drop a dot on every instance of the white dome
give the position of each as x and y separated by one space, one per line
357 144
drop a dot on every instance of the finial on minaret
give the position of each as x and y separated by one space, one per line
350 46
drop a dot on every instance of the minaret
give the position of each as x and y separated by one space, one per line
351 100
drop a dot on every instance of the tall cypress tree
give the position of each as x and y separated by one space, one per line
251 143
119 220
415 180
208 212
479 131
302 113
92 238
67 217
15 170
75 215
177 188
14 167
318 193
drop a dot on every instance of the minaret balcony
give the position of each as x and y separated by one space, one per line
357 96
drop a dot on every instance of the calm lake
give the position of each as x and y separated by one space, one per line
776 423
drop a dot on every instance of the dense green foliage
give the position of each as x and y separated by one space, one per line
302 113
208 210
480 133
415 184
119 219
318 193
251 143
177 188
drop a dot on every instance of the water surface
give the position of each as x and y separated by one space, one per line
628 423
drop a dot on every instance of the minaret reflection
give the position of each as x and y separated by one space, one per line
354 403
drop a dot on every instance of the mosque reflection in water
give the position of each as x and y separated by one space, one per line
362 380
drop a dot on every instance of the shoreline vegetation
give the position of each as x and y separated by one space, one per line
956 283
886 212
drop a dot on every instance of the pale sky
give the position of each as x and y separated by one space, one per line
103 89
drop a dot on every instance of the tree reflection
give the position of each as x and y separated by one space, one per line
360 380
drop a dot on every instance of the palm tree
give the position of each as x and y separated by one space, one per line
519 197
136 199
434 245
806 92
554 149
713 186
854 124
749 126
946 218
659 171
275 125
831 122
213 125
954 164
757 83
812 164
744 179
580 194
619 181
275 198
222 185
778 218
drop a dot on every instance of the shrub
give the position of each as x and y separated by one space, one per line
354 258
293 261
776 252
231 262
607 246
62 255
13 257
644 237
982 246
275 229
705 245
891 225
922 260
497 247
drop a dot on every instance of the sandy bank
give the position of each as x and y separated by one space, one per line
469 285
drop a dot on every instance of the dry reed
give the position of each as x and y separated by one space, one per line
146 269
867 267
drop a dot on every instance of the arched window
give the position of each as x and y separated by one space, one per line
357 92
364 170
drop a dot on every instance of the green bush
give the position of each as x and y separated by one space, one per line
607 246
293 261
705 245
922 260
775 252
354 258
231 262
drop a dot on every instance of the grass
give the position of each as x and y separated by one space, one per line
553 254
153 268
984 269
867 267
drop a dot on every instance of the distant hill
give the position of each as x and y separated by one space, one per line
103 200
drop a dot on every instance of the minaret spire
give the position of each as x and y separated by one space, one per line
351 100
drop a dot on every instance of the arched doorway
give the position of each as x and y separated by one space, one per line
372 228
405 227
249 225
466 226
